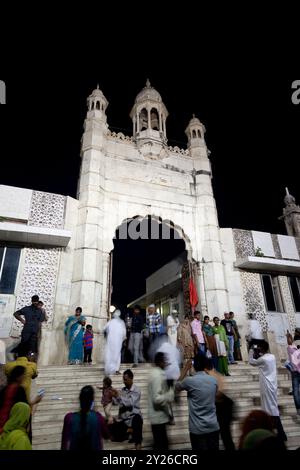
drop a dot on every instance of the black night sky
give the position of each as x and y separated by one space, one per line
236 91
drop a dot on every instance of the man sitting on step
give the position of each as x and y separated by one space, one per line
130 416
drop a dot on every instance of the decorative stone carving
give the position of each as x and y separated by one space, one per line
243 242
47 210
276 246
253 297
287 299
39 277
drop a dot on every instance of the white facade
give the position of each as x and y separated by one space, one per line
66 243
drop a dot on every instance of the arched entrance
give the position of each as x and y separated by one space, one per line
149 262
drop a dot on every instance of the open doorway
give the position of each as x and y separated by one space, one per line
148 269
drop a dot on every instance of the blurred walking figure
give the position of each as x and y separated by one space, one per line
172 326
266 363
160 396
172 369
202 390
224 408
115 333
294 361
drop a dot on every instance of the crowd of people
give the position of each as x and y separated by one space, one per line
191 355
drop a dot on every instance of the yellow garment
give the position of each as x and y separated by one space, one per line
30 371
14 435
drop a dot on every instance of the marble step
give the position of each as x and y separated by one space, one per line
175 435
51 428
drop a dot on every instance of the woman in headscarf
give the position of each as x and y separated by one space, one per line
185 339
84 429
15 435
12 393
74 331
222 346
115 332
211 341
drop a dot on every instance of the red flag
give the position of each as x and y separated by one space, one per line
193 294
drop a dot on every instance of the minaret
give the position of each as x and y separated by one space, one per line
88 263
291 215
196 143
149 116
207 226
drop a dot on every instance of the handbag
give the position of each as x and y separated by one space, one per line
208 354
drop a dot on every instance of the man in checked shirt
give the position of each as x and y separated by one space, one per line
153 323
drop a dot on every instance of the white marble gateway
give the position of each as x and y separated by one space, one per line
65 243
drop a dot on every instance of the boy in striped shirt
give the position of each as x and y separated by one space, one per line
88 344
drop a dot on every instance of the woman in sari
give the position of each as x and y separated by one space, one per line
15 435
211 341
222 346
237 345
74 331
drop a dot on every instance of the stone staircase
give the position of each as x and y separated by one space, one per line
66 381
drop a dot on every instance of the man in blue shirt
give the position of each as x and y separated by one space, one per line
201 389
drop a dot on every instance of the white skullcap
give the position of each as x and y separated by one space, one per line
151 306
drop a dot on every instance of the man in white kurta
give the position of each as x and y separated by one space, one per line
268 384
115 331
172 326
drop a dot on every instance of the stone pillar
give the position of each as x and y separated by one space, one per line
200 284
87 282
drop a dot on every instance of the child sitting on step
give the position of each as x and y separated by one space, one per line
107 396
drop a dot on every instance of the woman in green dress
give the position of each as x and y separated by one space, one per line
222 346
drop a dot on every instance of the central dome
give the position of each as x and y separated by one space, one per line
148 93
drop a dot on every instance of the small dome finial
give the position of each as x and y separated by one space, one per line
194 115
97 86
287 192
148 84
